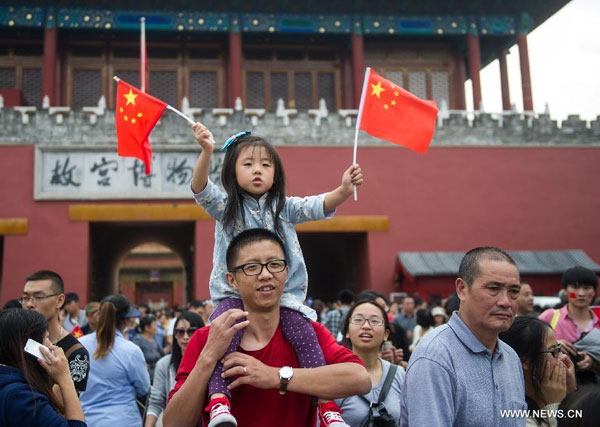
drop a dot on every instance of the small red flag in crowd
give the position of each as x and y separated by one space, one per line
136 115
391 113
77 332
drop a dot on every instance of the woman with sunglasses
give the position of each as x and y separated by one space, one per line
367 327
549 374
166 368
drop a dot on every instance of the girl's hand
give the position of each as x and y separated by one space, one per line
203 136
553 386
352 176
58 370
571 383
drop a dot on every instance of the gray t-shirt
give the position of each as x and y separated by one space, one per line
356 409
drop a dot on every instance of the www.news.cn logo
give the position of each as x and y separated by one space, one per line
541 413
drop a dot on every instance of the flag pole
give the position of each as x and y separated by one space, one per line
175 110
358 119
143 57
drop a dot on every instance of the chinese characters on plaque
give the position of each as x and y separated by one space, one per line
74 175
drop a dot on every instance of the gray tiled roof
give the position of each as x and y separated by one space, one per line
529 262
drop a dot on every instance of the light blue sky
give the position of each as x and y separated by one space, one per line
564 58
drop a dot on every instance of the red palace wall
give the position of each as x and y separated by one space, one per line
451 199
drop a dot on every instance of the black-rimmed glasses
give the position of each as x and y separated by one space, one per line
359 321
35 298
256 268
555 352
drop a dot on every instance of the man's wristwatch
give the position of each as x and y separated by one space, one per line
285 375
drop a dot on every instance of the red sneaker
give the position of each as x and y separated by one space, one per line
220 415
330 415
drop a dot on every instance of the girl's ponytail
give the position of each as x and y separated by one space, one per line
107 326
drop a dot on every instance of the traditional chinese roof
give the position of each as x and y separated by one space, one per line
529 262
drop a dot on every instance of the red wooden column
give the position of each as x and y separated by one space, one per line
235 61
358 62
459 77
474 67
525 74
49 67
504 80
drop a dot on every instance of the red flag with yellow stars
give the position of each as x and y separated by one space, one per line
77 332
391 113
136 115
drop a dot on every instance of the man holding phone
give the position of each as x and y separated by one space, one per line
44 292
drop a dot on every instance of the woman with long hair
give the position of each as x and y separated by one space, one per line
425 323
166 368
549 374
26 384
367 327
118 373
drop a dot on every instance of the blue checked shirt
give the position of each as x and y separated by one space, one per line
453 380
256 215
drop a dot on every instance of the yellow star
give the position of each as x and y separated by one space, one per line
393 102
132 120
121 109
130 97
139 114
396 93
377 89
386 106
126 118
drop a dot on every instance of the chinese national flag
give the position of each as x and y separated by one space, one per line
391 113
136 115
77 332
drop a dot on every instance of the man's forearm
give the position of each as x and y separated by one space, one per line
186 406
331 381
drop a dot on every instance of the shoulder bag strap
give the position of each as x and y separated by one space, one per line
388 383
555 318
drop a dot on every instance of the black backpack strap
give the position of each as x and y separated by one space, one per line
388 383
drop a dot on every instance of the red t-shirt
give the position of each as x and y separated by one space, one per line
252 406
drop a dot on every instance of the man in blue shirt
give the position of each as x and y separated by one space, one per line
461 374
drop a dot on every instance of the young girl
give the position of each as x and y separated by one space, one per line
254 197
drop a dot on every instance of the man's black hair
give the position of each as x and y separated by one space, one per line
71 296
196 304
578 276
346 296
247 237
469 266
58 286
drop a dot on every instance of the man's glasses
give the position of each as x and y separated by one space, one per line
35 298
359 320
256 268
180 332
555 352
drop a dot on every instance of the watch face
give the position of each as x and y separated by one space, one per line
286 372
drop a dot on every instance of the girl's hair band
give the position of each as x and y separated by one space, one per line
233 139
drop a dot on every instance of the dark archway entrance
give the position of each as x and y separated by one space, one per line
334 261
110 243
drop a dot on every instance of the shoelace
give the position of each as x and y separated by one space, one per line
332 416
218 409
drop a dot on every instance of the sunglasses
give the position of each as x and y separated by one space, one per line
180 332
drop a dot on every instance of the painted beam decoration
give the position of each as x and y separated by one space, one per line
296 24
84 174
415 25
130 20
23 17
193 21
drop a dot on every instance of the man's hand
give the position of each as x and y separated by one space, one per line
393 355
585 363
203 136
567 347
249 370
221 332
